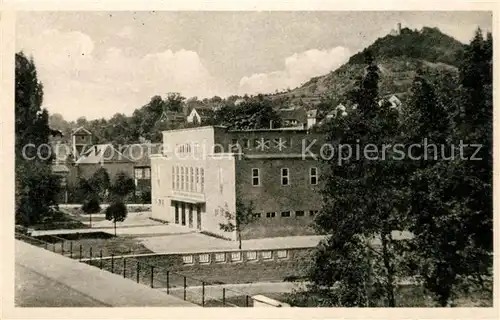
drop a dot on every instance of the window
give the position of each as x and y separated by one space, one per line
147 173
177 178
299 213
197 173
234 142
313 212
313 175
182 178
138 173
267 255
191 179
277 142
257 215
204 258
235 256
285 179
187 259
220 257
202 173
285 214
246 143
221 181
173 178
255 177
251 255
186 177
282 254
271 214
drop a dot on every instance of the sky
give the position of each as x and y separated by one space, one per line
97 64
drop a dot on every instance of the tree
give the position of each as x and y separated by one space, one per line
100 183
451 212
238 220
357 264
89 193
36 187
116 212
122 186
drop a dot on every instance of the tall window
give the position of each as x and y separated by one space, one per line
182 178
285 177
202 174
313 175
191 178
173 178
147 173
255 177
186 177
177 178
197 171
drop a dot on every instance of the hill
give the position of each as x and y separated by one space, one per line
398 57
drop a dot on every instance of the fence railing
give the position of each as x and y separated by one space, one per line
198 291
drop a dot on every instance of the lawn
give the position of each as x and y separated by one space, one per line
94 243
407 296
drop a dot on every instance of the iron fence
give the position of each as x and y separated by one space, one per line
198 291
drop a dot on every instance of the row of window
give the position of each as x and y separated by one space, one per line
285 176
286 214
220 257
190 179
142 173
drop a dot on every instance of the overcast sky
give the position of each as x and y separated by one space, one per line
95 64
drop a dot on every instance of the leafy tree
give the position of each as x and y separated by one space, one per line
357 265
36 187
100 183
122 186
452 200
238 220
89 193
116 212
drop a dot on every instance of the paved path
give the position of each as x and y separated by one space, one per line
47 279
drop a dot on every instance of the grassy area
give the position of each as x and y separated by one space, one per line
407 296
95 242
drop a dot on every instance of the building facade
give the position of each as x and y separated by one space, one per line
202 171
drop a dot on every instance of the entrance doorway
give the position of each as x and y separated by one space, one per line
190 215
176 212
183 216
198 217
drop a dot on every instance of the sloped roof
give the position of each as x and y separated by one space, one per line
139 153
102 153
312 113
203 112
298 114
81 130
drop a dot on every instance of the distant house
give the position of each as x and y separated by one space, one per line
293 117
172 118
140 155
103 156
199 115
81 139
312 118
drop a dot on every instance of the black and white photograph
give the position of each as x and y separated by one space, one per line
246 159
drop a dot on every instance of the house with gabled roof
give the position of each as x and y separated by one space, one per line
103 156
293 117
199 115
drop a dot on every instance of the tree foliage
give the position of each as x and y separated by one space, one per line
116 212
237 221
445 204
122 186
36 187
